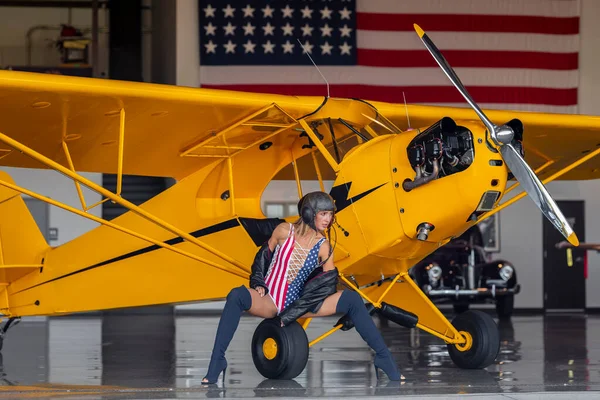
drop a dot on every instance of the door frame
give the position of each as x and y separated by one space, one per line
560 204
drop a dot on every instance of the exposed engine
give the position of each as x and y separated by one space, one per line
442 149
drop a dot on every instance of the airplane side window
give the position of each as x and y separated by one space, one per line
280 209
280 197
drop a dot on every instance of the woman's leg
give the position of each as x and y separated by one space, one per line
349 302
239 299
328 308
262 306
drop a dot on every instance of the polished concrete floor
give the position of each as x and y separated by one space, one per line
149 356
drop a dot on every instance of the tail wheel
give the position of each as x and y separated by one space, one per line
482 340
279 353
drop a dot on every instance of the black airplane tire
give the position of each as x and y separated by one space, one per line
484 337
279 353
505 306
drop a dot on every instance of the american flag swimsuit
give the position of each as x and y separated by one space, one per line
281 271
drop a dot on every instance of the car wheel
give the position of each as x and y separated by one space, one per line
482 344
279 353
505 306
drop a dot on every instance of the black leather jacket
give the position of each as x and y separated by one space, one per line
319 285
260 266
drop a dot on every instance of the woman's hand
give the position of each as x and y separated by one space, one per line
260 290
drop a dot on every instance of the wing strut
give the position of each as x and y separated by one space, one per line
65 147
334 165
112 225
318 170
260 126
297 176
544 181
117 199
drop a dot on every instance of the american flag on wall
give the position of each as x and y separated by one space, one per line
510 54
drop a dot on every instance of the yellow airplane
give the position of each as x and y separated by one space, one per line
400 195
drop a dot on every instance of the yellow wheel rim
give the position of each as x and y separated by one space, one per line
270 348
468 342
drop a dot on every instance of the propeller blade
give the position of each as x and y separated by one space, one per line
503 136
439 58
536 190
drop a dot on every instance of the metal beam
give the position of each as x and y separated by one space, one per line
50 3
552 177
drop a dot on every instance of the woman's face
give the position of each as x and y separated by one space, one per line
323 219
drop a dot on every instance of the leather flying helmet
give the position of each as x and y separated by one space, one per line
312 203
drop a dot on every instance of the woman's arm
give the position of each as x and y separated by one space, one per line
279 233
324 254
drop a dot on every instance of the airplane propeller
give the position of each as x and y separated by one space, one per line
503 136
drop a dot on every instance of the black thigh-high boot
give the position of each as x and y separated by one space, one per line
352 304
238 301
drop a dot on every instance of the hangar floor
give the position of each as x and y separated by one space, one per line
153 356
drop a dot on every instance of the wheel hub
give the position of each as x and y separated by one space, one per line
468 341
270 348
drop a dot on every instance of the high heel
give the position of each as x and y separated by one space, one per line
352 304
388 366
214 370
238 301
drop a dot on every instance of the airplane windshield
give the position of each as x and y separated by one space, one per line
355 122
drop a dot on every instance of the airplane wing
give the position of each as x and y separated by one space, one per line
167 130
174 131
557 140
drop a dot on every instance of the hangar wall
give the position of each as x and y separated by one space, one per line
522 222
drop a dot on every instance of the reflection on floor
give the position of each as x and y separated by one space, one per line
165 356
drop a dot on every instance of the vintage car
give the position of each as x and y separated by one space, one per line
463 273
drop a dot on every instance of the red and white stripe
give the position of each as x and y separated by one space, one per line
511 54
277 279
